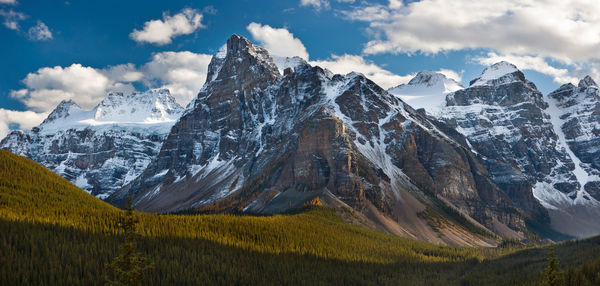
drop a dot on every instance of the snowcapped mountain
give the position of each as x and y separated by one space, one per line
102 149
508 122
428 90
259 141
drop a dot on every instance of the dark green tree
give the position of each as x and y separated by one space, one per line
551 272
130 267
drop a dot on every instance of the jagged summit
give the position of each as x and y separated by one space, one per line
237 56
586 82
428 90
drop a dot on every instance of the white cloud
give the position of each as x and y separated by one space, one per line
535 63
10 2
317 4
279 42
567 33
161 32
39 32
23 119
12 18
183 73
451 74
49 86
349 63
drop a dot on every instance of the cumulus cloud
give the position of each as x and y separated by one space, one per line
183 73
348 63
162 32
39 32
22 120
50 85
12 19
566 34
279 42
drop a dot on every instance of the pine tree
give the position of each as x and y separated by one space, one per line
551 272
130 267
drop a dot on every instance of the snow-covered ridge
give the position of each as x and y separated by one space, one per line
153 107
495 72
428 90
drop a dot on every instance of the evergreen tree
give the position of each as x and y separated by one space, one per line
551 272
130 267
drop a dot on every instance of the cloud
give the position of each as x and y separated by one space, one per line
536 63
566 34
279 42
348 63
321 4
12 18
183 73
50 85
39 32
451 74
317 4
23 119
10 2
161 32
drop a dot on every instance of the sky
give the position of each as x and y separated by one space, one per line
56 50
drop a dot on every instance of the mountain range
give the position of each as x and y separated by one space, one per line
496 159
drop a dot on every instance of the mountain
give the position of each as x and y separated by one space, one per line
258 141
428 90
102 149
514 130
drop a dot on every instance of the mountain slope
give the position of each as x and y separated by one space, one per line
507 122
102 149
257 141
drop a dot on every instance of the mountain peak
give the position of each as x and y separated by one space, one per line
499 73
62 110
586 82
237 56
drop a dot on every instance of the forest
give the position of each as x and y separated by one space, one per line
53 233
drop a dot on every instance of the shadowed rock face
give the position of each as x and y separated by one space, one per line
258 142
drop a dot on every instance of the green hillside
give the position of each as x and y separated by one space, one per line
52 233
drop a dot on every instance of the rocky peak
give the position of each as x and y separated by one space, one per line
499 73
240 58
62 110
586 82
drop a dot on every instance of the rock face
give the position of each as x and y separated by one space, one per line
102 149
257 141
510 125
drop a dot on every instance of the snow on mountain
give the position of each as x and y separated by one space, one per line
102 149
427 90
259 141
518 133
498 73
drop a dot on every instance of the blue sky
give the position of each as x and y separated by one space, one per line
55 50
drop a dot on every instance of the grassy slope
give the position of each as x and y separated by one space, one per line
47 223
